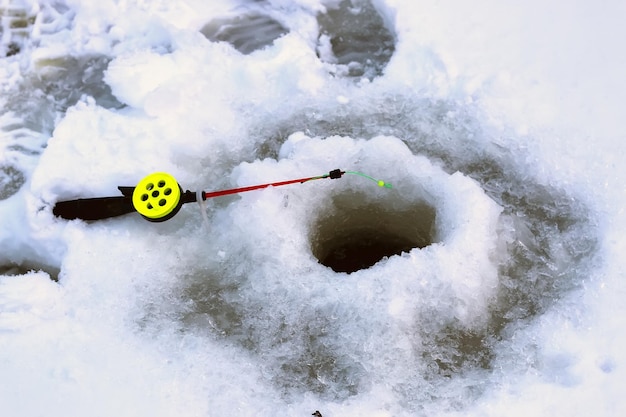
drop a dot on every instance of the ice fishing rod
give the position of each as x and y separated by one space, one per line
158 197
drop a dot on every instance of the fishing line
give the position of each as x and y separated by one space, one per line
380 183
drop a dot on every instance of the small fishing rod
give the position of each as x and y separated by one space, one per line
158 197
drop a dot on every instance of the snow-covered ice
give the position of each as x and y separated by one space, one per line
487 281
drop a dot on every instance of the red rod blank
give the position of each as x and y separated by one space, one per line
212 194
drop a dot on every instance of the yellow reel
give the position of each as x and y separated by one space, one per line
157 197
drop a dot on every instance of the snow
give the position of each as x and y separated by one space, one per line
498 125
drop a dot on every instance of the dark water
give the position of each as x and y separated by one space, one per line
357 234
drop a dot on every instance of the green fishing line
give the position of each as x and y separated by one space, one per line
380 183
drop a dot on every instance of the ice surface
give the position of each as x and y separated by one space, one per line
499 287
355 37
247 33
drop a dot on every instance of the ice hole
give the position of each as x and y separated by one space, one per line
358 233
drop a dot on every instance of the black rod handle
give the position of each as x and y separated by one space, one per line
94 208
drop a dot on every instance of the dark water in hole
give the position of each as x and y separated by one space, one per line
362 249
358 234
